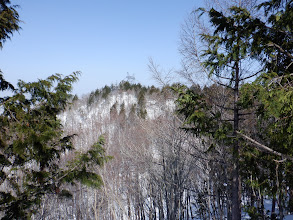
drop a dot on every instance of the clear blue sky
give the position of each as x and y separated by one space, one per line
104 39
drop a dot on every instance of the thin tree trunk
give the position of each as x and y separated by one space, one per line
290 203
273 213
281 210
161 206
236 210
263 212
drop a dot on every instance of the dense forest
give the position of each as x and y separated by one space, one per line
217 146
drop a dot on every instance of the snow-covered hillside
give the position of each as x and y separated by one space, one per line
158 170
96 113
142 135
81 112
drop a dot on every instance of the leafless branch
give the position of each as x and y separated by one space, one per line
280 49
263 147
162 77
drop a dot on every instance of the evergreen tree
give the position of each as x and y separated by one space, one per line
141 103
113 111
238 38
33 147
272 92
227 51
9 20
122 110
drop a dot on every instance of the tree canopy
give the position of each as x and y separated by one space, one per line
255 121
36 158
34 150
9 20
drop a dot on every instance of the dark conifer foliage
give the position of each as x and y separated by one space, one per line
9 20
261 109
33 147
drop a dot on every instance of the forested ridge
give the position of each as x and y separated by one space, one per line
217 146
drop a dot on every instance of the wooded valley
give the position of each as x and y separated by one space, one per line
217 144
